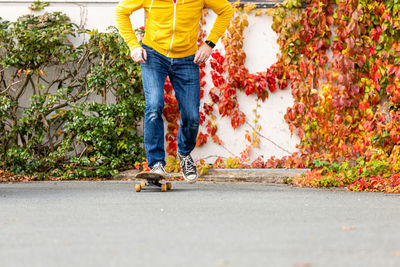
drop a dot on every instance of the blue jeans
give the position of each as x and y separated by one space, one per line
184 75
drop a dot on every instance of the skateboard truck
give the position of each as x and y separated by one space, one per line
152 180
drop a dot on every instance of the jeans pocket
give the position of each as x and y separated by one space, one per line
190 58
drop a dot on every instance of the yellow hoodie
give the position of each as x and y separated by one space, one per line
172 26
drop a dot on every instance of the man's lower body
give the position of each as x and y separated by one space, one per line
184 75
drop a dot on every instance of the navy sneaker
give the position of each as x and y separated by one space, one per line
188 168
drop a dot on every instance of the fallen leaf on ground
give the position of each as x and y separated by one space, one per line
222 262
395 253
347 227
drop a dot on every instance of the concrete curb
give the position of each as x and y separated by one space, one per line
235 175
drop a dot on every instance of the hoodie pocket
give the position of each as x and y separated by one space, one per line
182 41
161 38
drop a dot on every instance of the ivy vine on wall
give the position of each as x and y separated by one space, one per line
341 61
229 76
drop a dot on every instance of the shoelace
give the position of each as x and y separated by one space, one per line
188 164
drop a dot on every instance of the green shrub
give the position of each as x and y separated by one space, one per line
85 102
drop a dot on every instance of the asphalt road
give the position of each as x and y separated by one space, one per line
206 224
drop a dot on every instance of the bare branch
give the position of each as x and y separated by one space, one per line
33 87
23 88
9 86
58 79
266 138
66 103
48 133
230 152
83 151
43 79
212 156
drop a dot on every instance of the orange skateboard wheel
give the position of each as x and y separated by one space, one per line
138 188
164 188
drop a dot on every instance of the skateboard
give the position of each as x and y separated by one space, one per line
152 180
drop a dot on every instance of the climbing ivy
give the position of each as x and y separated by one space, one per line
339 58
341 61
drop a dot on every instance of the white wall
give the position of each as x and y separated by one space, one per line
261 49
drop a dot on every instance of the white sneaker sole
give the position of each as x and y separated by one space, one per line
190 181
165 175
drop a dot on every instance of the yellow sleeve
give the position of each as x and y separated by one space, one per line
224 11
124 9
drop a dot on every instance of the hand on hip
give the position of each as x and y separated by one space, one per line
202 54
139 54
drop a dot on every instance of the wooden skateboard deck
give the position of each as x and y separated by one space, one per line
151 180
